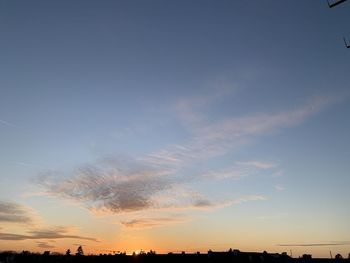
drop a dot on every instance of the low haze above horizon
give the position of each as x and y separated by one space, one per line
182 125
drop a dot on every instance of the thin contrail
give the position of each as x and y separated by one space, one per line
28 165
316 244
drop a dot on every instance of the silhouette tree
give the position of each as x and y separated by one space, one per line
80 251
338 256
68 252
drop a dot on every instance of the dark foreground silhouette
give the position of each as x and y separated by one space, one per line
150 257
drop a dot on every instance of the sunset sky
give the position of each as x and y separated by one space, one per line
174 125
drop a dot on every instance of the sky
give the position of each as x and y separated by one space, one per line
174 126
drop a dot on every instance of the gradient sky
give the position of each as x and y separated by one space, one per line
174 125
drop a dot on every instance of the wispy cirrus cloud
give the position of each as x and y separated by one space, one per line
11 212
242 169
279 188
187 108
52 233
210 139
3 122
113 189
46 245
18 216
150 182
176 219
207 204
152 222
118 191
258 164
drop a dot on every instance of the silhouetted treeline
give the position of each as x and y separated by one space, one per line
210 257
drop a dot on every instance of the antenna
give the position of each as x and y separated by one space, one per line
335 3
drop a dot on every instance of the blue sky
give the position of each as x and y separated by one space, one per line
164 117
